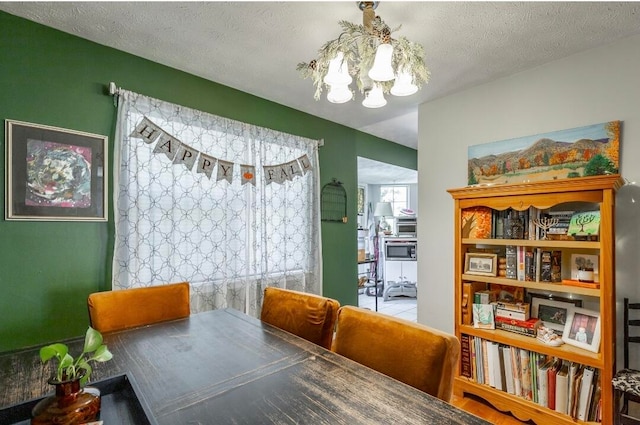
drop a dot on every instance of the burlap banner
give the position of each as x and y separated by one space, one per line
181 153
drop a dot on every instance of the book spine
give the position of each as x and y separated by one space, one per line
545 266
465 356
511 253
516 329
556 266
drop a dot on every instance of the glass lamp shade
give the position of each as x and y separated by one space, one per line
381 69
338 73
403 85
339 93
374 98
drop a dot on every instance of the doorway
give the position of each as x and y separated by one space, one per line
384 182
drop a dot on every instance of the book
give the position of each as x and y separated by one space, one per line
551 382
556 266
508 369
562 388
483 316
545 266
511 254
543 381
512 311
485 296
520 274
525 374
465 356
515 366
538 263
476 222
527 328
584 399
530 266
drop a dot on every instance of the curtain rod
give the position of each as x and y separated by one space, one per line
114 90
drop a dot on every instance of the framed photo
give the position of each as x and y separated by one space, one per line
54 174
480 264
553 311
583 329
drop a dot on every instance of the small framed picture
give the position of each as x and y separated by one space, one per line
54 174
480 264
483 317
553 311
583 329
584 268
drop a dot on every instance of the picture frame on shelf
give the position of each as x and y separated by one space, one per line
552 311
54 174
480 264
483 316
581 263
582 329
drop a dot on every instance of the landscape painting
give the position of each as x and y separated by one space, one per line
578 152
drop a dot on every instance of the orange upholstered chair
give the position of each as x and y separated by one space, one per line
308 316
415 354
129 308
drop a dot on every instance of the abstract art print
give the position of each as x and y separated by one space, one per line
578 152
54 174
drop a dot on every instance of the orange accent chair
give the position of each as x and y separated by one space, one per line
129 308
415 354
308 316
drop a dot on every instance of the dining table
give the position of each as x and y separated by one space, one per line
226 367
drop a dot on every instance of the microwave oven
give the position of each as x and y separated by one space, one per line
400 250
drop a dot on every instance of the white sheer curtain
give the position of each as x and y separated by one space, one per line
228 240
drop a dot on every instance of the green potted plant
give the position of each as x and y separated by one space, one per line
73 402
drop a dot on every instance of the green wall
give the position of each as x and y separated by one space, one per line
47 269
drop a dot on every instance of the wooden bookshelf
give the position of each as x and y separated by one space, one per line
596 192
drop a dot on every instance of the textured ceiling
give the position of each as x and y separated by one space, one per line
255 46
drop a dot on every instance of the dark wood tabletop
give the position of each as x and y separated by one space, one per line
224 367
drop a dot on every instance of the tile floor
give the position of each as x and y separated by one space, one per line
403 307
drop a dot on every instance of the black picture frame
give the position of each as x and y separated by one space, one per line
54 174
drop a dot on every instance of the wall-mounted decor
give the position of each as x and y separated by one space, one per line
578 152
54 174
333 200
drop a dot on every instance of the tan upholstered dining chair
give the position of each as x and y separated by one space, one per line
308 316
129 308
415 354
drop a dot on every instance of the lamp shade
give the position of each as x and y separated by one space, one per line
374 98
383 209
381 69
339 93
338 73
403 85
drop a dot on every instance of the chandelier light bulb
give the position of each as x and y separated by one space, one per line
338 73
403 85
381 69
339 93
374 98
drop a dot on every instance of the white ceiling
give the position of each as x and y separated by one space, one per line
255 46
375 172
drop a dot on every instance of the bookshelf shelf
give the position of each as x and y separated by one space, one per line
588 193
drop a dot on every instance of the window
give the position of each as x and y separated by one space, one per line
398 195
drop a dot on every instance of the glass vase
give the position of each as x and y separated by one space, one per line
70 405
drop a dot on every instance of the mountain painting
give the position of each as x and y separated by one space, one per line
578 152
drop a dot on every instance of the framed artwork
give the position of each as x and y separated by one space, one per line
577 152
553 311
480 264
583 329
581 263
483 316
54 174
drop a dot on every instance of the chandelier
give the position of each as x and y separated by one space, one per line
369 55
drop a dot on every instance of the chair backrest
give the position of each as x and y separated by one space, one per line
415 354
308 316
129 308
629 323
